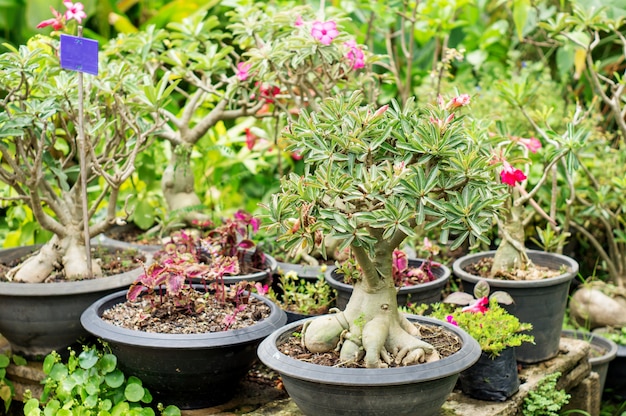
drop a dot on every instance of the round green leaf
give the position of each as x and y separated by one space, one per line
171 411
133 392
120 409
88 358
91 401
108 363
48 363
106 405
32 405
114 379
147 396
58 372
4 361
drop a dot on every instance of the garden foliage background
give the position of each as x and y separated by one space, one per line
531 66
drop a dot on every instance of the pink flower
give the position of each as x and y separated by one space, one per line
481 305
57 23
533 144
511 175
74 11
261 289
296 156
460 101
451 320
442 123
298 22
381 110
325 32
242 70
250 139
355 55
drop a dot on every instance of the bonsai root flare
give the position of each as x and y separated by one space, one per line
55 254
37 268
375 332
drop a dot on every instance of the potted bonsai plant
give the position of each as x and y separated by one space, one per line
538 280
190 343
494 376
373 177
48 130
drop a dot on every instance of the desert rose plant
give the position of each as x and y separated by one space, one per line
373 177
539 173
39 145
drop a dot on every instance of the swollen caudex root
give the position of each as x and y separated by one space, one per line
599 305
37 268
52 256
382 337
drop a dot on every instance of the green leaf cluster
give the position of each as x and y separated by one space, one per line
302 296
378 175
90 384
545 399
495 329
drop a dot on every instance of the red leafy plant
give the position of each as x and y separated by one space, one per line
190 258
402 272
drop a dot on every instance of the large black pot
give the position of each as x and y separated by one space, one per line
541 303
187 370
326 391
37 318
427 293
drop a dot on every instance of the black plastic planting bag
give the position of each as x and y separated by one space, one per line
493 379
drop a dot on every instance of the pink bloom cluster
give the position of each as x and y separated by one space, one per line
74 11
243 71
355 55
481 305
533 144
511 175
325 32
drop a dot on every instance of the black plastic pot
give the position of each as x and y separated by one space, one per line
37 318
190 371
326 391
603 351
492 378
615 384
430 292
541 303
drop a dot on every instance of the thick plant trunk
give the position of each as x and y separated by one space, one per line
511 253
371 327
179 189
67 253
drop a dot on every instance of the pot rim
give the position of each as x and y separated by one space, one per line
92 322
439 281
596 339
572 264
270 355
